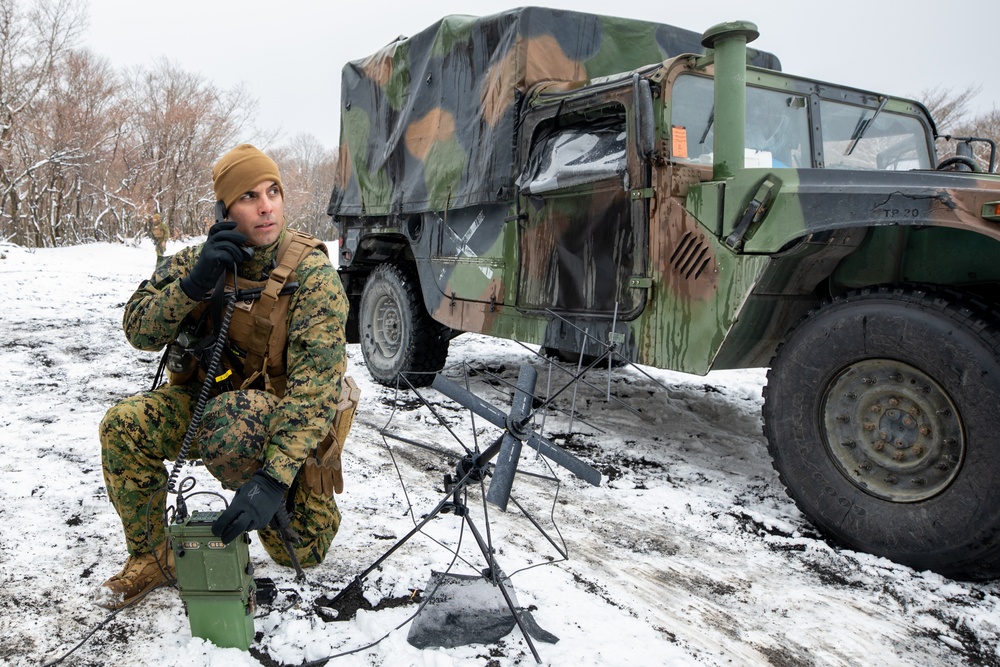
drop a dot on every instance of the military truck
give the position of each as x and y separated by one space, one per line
560 178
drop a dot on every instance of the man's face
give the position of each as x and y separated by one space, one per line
259 214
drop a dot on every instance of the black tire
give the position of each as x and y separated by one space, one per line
881 413
397 335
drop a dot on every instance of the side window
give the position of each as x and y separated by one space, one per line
576 154
692 118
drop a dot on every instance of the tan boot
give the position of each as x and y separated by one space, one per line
140 575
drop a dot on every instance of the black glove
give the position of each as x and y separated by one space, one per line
223 248
252 508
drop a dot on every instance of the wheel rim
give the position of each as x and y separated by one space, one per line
893 431
387 327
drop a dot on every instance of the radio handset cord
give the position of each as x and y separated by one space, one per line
203 396
210 374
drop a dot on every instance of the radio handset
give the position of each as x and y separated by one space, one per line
220 216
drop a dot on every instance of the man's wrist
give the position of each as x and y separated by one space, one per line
264 478
190 289
281 468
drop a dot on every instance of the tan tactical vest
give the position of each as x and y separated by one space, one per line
258 333
259 327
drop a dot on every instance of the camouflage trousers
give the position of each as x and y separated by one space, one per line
141 432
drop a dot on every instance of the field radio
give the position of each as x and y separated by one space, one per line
215 581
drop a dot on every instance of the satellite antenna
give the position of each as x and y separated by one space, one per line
475 468
516 433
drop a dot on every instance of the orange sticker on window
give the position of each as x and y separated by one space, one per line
679 136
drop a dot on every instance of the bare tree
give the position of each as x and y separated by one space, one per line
954 119
32 42
307 173
87 153
180 124
79 123
948 108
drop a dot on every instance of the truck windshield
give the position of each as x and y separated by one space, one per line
891 141
777 128
777 131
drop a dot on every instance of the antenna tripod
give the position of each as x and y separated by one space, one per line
475 467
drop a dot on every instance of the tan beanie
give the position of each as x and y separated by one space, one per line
241 170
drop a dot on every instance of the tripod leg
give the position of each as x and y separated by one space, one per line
283 524
416 529
497 574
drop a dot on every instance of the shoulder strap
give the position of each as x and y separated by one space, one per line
268 319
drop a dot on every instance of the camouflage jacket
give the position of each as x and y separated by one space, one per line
316 355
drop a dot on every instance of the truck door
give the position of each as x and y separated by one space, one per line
581 236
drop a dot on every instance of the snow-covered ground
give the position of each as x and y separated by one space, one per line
688 553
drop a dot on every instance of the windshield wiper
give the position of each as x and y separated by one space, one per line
863 125
708 126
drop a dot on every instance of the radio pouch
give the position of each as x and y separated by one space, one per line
323 472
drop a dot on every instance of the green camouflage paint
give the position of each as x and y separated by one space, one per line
611 187
646 248
412 142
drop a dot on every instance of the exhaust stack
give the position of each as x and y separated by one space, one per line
729 42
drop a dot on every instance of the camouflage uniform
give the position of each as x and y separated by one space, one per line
140 432
161 233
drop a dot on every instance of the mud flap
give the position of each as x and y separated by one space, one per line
468 609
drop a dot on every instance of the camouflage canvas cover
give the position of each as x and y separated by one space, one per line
428 122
